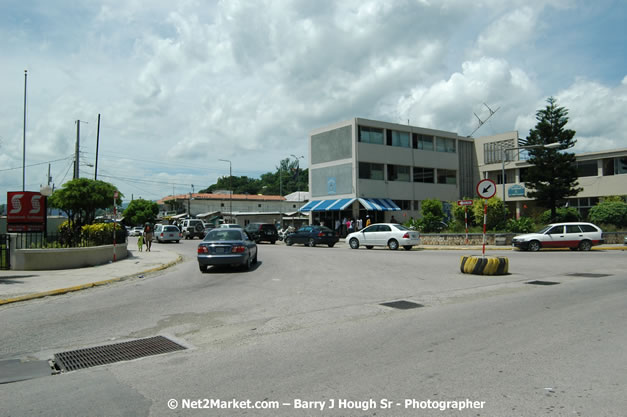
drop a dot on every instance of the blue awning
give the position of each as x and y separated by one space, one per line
379 204
327 205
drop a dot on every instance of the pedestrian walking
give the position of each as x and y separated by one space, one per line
140 242
148 236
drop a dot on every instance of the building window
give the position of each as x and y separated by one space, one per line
403 204
494 152
398 138
416 205
523 174
370 171
371 135
587 169
423 142
447 176
424 175
615 166
258 205
398 173
445 144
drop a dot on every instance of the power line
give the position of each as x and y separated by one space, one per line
39 163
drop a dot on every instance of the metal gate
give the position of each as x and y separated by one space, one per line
4 252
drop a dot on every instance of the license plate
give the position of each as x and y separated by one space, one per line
219 250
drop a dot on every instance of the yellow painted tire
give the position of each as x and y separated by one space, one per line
484 266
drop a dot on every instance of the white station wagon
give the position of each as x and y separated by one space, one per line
574 235
384 234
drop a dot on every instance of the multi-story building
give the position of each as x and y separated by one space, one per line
361 167
601 174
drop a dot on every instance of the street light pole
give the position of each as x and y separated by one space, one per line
24 137
231 187
297 168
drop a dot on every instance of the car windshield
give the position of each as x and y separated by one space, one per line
543 230
223 235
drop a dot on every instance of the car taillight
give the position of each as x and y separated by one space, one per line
406 235
203 249
320 234
180 234
161 234
238 249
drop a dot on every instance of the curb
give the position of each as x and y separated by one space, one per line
86 286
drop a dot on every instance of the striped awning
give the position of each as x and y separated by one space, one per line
327 205
379 204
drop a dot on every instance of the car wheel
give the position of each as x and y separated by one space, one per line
203 268
534 246
249 263
407 247
393 244
585 245
311 243
176 241
331 245
289 242
354 243
369 246
272 242
255 258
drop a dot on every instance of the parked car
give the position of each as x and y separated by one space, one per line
384 234
136 231
573 235
312 236
167 233
262 232
224 246
192 228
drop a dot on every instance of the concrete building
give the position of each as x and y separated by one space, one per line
234 208
361 167
601 174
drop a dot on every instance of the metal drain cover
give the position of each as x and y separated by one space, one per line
402 305
542 282
587 275
118 352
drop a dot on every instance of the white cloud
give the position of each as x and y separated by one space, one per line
509 31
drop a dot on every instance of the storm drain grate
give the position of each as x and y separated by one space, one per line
118 352
587 275
402 305
542 282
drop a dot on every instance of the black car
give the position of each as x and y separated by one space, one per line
262 232
312 236
226 247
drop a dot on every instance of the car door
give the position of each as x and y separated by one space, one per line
302 235
369 235
554 237
384 233
574 235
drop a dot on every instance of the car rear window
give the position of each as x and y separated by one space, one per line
588 228
171 229
267 227
223 235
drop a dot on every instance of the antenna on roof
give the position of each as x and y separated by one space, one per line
481 122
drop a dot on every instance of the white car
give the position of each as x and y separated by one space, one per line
573 235
384 234
136 231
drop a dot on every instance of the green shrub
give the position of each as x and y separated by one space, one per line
102 233
522 225
609 212
563 214
497 212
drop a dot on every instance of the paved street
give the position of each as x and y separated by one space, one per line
307 323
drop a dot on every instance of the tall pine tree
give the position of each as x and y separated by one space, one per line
553 174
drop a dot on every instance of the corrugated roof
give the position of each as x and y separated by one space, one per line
208 196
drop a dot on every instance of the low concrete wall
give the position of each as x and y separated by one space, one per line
67 258
499 239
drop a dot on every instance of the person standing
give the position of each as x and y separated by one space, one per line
368 220
360 224
148 236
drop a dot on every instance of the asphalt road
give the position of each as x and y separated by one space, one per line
308 324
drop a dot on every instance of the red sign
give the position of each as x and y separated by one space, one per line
464 202
25 211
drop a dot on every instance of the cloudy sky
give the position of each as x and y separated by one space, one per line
182 84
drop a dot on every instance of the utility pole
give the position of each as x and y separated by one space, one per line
24 139
76 148
97 144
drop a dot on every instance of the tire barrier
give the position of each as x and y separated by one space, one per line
484 265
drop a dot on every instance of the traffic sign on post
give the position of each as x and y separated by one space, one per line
486 189
464 202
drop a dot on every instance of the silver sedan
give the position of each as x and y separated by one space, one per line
224 246
391 235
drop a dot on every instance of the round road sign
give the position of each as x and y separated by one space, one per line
486 189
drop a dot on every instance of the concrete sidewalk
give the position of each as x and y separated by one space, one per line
26 285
